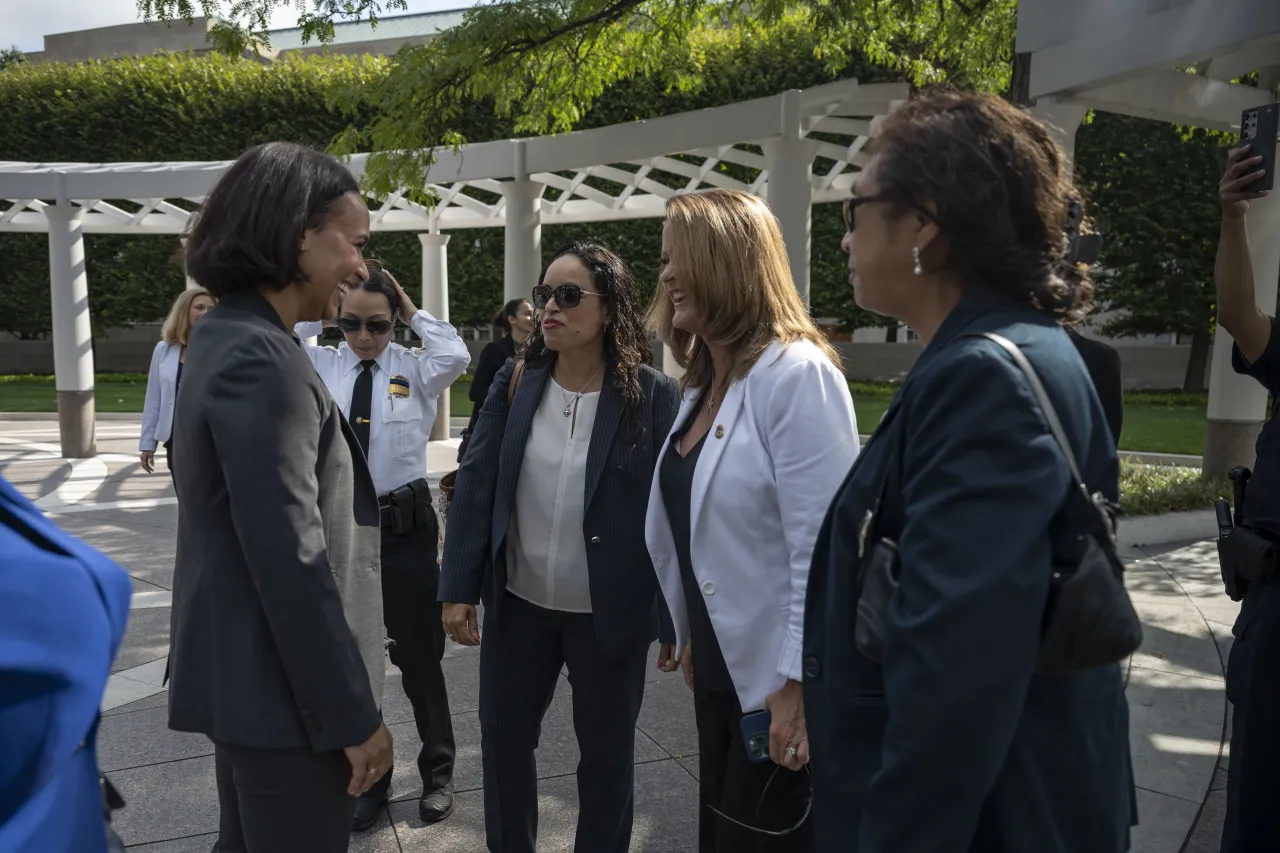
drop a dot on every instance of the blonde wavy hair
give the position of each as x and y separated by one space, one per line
177 326
728 248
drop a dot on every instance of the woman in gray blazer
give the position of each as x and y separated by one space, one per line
276 636
547 527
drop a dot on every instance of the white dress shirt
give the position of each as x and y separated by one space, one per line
783 439
162 394
399 425
546 551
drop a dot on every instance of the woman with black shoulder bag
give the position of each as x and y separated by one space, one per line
966 612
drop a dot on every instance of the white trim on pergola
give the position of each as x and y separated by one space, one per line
703 138
793 149
1172 64
1117 57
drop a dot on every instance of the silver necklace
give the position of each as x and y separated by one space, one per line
712 402
570 403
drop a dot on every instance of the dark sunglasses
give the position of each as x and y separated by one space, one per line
852 203
351 326
566 295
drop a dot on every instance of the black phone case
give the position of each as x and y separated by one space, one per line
1259 127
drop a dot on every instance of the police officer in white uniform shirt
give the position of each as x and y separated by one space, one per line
388 394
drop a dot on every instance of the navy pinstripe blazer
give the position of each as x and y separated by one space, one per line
625 600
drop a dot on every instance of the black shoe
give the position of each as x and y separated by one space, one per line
367 811
436 806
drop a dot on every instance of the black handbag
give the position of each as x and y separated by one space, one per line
1089 619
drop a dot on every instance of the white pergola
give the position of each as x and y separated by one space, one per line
1171 61
793 149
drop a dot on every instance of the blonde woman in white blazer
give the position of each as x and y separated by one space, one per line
763 440
166 373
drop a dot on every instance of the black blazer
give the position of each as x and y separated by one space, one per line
625 600
1103 364
492 357
276 629
956 743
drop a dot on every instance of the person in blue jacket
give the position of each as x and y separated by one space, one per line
64 611
953 741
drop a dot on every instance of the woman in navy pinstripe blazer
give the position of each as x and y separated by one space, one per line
547 527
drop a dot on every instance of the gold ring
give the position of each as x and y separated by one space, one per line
791 752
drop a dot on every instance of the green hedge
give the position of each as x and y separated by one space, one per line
169 107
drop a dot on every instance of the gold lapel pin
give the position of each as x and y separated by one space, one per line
719 431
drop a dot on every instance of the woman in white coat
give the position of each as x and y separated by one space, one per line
763 440
166 374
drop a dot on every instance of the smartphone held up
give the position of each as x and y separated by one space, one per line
1259 128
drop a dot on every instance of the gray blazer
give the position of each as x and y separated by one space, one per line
276 632
625 600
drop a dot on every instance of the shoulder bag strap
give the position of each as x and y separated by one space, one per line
1042 397
515 382
892 436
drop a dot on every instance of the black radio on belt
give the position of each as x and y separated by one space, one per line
408 507
1244 555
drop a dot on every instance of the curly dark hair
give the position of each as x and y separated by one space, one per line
998 186
626 341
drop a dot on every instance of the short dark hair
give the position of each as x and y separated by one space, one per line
379 281
503 318
248 232
998 186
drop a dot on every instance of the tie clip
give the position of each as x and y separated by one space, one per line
363 421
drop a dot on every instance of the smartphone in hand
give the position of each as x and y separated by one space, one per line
1259 127
755 735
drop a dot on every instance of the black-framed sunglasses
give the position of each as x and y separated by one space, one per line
352 326
566 295
852 203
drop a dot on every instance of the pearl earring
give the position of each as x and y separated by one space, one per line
915 255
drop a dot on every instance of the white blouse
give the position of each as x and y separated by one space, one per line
546 552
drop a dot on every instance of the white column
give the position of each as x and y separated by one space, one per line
669 365
1238 404
522 256
72 333
191 282
1062 121
435 301
789 161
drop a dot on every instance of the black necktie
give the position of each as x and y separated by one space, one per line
362 405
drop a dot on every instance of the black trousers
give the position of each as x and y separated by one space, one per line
764 795
1253 687
272 800
520 659
168 455
410 578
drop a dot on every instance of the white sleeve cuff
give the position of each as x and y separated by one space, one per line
789 662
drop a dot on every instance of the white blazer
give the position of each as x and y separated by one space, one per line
782 442
162 393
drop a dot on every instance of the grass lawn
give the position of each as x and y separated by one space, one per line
126 392
1156 421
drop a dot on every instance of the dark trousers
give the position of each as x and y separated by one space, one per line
273 800
410 578
521 656
168 455
1253 686
764 795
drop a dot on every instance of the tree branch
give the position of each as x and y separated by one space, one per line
611 14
